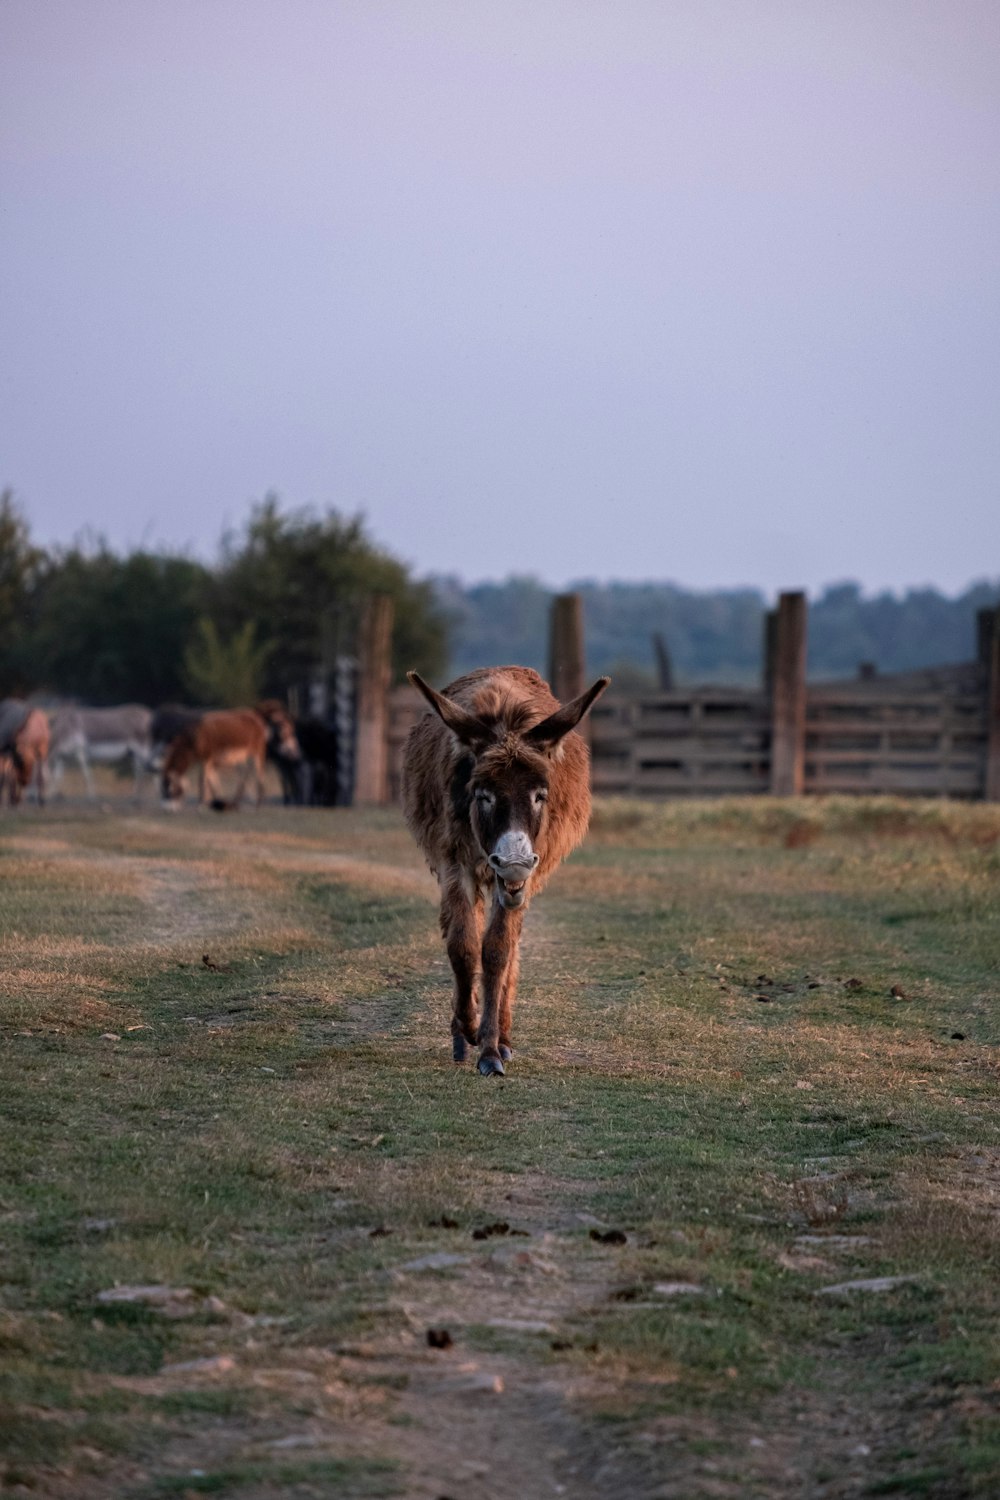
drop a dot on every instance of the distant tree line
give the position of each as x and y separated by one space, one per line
281 603
283 598
711 636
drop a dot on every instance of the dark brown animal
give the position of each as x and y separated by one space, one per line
496 791
24 750
312 780
228 737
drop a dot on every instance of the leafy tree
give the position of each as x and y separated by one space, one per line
20 566
303 579
109 629
228 673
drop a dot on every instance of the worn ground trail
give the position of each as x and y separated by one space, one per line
517 1420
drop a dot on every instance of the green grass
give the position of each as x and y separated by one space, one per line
239 1128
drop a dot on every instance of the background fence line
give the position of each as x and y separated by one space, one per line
933 733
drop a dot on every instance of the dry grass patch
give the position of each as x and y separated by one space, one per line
286 1138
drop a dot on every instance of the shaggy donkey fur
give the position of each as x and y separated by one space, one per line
496 791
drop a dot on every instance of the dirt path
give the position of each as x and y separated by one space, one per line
514 1404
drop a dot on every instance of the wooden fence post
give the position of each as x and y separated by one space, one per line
788 697
566 648
371 767
664 665
768 645
567 653
991 788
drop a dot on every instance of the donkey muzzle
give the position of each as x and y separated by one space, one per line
513 862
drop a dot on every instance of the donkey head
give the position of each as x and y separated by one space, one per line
281 740
505 778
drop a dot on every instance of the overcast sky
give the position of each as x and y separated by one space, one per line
628 289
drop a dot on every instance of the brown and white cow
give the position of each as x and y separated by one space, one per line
496 791
237 737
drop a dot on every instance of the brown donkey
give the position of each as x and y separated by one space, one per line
496 791
227 737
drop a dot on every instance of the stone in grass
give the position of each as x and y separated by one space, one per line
678 1289
469 1379
168 1301
835 1241
214 1364
869 1284
514 1258
521 1325
438 1260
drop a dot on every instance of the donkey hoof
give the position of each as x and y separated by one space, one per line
505 1052
459 1048
490 1065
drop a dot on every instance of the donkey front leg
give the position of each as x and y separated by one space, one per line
507 999
500 959
462 926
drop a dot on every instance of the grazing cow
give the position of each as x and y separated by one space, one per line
227 737
101 734
496 791
24 749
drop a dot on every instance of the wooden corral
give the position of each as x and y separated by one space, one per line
934 733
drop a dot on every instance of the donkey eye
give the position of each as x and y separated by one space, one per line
541 795
484 797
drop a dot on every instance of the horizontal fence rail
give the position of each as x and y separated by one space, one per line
909 735
889 739
692 744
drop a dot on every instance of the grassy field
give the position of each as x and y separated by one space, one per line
729 1226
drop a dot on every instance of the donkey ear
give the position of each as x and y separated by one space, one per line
551 730
470 730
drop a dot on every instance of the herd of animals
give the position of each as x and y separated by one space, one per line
36 745
495 785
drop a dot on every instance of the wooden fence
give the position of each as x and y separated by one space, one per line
919 733
934 733
896 739
681 744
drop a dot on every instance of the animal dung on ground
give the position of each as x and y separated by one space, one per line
444 1222
487 1231
439 1338
898 993
609 1237
854 984
379 1232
